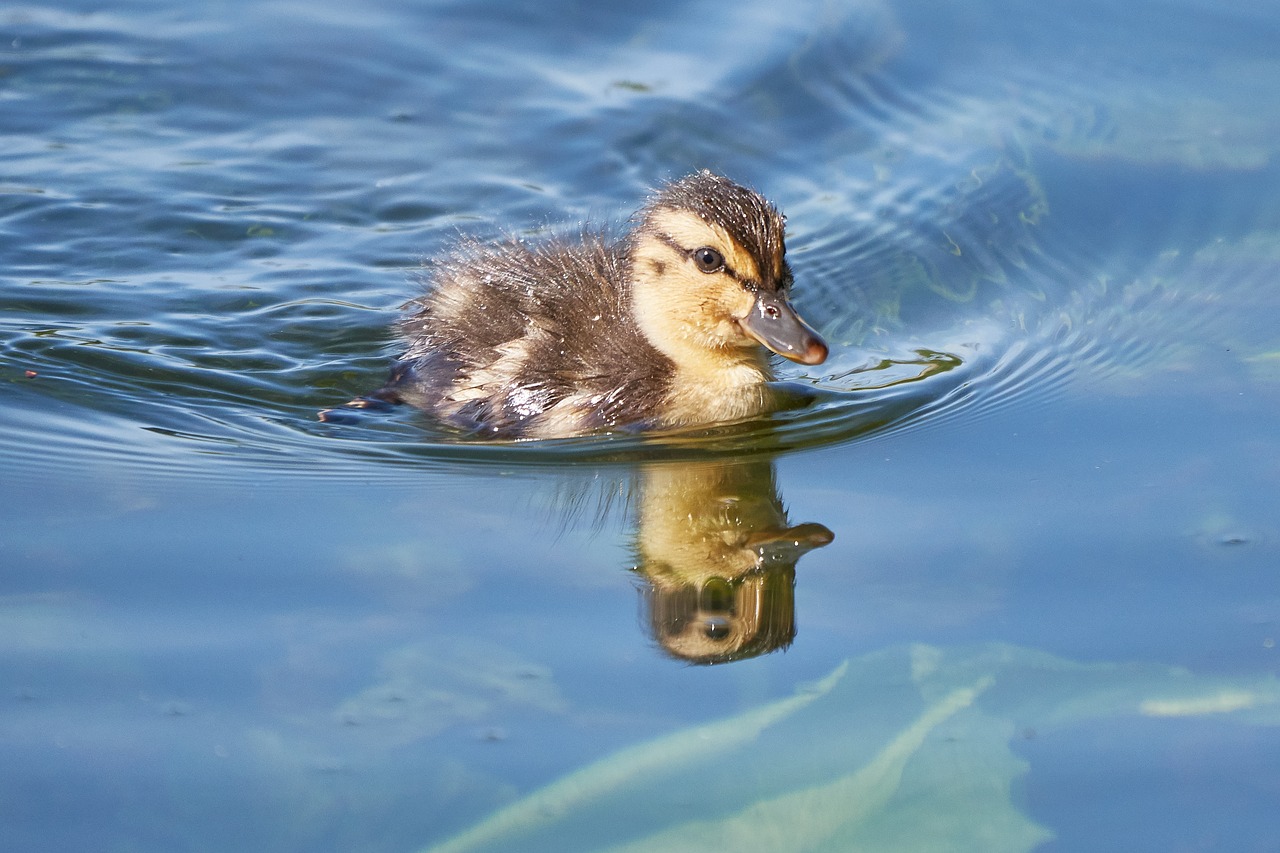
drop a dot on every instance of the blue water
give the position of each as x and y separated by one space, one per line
1037 494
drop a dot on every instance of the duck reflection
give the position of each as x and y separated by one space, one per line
718 557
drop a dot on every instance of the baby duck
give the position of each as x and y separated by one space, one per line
661 329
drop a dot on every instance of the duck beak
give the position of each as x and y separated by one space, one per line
790 543
774 323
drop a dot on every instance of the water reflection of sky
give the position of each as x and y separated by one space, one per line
1049 605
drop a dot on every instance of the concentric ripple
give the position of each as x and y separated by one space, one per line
196 265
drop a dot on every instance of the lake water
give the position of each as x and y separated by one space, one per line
1011 583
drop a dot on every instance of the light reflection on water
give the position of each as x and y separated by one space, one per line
898 248
1041 238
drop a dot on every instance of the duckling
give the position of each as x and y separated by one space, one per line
718 555
668 327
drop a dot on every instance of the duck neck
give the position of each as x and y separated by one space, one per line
733 392
727 383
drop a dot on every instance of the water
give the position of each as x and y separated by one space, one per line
1009 584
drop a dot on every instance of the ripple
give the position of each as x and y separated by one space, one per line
187 289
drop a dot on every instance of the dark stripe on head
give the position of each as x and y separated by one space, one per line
747 283
750 219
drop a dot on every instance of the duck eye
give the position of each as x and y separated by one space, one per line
708 259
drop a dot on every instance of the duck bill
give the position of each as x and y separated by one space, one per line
774 323
796 541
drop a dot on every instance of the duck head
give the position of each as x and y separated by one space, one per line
709 276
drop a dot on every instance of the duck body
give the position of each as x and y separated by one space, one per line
532 341
659 329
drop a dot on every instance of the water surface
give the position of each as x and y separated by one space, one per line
1009 584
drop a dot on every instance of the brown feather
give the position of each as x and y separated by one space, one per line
535 340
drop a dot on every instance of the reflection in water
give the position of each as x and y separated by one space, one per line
718 557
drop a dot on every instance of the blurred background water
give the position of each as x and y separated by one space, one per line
1042 238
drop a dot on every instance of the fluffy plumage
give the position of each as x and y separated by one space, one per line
659 329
